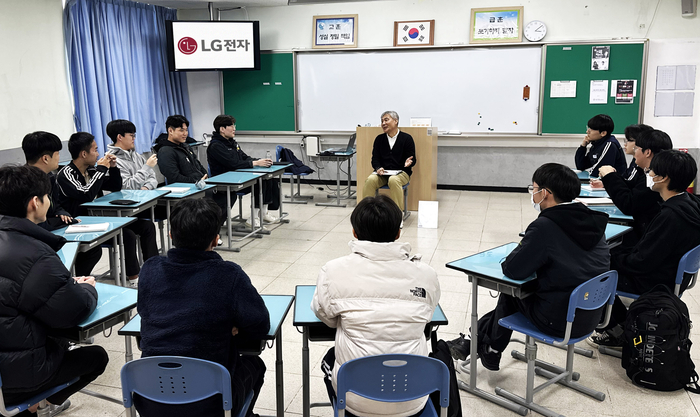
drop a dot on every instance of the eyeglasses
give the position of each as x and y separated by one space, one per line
531 189
637 148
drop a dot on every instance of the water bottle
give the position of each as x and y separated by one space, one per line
268 155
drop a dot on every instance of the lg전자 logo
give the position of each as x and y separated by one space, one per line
187 45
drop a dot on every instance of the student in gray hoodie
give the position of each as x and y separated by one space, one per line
137 172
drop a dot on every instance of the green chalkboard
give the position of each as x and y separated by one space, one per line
573 62
262 100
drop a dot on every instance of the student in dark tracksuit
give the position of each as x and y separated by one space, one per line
224 155
566 247
672 233
633 197
604 150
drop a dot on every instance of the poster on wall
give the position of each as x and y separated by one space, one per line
599 92
496 24
624 91
600 60
338 31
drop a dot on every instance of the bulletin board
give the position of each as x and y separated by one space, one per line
568 115
262 100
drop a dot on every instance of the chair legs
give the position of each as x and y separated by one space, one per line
565 378
296 198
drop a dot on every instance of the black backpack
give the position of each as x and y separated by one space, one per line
656 351
442 353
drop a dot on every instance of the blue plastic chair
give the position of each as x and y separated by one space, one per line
178 380
687 270
591 295
406 213
44 409
293 197
377 378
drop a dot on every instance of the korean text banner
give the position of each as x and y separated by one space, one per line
214 45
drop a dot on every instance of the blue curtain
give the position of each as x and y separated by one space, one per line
118 67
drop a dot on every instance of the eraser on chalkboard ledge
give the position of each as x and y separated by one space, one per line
454 132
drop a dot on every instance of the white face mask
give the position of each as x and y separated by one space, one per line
536 206
650 181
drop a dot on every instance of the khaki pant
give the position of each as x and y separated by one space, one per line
395 182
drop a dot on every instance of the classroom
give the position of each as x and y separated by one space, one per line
488 141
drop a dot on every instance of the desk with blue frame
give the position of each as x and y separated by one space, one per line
175 194
315 330
339 158
278 306
90 240
235 181
144 200
275 170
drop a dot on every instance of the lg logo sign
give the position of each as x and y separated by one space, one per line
187 45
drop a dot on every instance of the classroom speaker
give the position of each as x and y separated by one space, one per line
688 8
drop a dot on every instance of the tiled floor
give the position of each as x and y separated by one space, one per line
468 222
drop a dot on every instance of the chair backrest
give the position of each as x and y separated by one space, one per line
393 378
689 264
278 152
592 295
175 380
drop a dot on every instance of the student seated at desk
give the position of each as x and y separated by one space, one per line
632 196
41 150
176 160
379 298
38 295
82 181
672 233
224 155
565 246
195 304
604 150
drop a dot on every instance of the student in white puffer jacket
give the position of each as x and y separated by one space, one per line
379 298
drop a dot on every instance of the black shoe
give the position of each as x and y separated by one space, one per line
605 338
459 347
489 359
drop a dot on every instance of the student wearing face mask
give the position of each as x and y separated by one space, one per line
565 246
672 233
633 197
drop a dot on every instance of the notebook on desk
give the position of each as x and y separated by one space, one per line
347 149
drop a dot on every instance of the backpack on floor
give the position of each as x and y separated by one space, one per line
656 349
442 353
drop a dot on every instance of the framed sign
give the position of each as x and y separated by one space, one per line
414 32
337 31
496 24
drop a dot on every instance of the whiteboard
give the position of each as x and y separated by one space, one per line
469 90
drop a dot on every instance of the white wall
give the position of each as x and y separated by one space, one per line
34 92
290 27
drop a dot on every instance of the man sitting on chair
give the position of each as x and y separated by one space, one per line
195 304
393 150
379 297
565 246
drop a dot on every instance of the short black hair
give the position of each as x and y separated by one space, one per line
679 167
78 142
376 219
223 120
602 123
18 185
560 180
37 144
654 140
119 127
176 121
632 132
195 223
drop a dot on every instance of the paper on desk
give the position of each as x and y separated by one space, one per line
87 228
176 190
595 201
389 172
588 187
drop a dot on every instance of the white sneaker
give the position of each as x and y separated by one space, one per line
132 283
57 409
257 223
219 242
269 218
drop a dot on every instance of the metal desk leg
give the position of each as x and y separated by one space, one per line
305 379
114 266
337 189
228 213
279 375
349 179
260 212
472 362
122 260
282 213
167 210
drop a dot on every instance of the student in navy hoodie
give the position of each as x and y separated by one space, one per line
566 247
193 303
604 149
